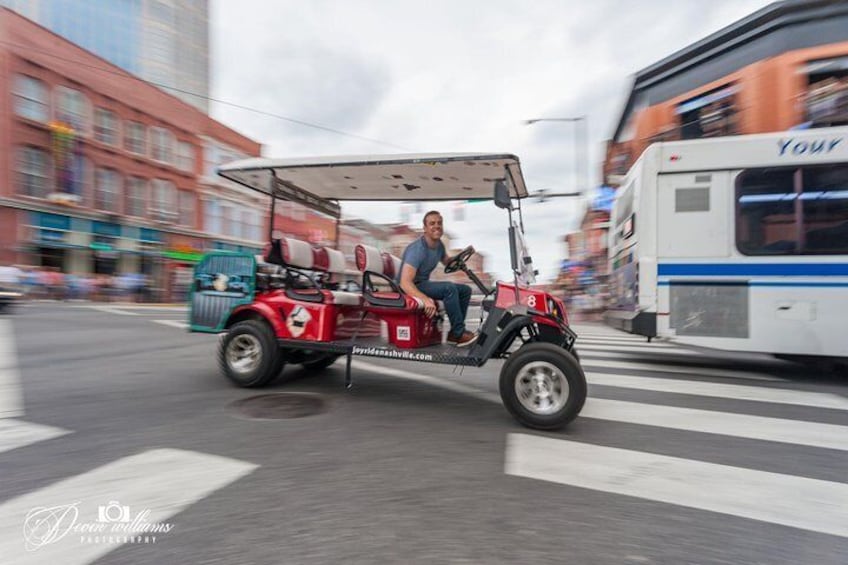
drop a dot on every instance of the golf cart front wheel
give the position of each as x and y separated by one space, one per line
248 354
543 386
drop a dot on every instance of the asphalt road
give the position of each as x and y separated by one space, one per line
679 457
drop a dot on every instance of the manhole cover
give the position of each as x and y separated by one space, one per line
281 406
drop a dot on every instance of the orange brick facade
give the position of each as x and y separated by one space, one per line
769 97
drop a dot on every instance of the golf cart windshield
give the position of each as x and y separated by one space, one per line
320 182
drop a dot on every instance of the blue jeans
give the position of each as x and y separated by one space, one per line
456 298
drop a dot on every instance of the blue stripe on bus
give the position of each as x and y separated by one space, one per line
753 269
754 283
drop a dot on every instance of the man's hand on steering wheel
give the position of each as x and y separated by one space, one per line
457 262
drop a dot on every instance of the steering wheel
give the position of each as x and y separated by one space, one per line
458 262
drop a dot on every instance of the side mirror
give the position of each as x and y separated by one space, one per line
502 199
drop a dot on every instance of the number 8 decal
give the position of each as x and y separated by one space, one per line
531 301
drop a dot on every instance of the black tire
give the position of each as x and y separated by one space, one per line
318 361
574 354
557 367
252 342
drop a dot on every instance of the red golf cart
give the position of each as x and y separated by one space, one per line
299 303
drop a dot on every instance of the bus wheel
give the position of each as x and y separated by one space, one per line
543 386
248 354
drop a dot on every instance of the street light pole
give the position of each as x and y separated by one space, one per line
579 132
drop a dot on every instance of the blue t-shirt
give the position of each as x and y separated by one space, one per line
424 259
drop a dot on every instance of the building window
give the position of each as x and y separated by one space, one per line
227 213
215 155
249 225
163 204
134 138
31 98
709 115
162 145
107 190
185 156
72 108
33 172
106 126
826 98
187 208
793 211
137 197
83 180
210 159
212 217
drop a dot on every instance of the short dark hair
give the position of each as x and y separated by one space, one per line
430 213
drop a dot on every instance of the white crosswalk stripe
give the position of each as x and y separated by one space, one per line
632 343
795 501
172 323
16 433
114 310
720 390
11 400
643 349
65 522
690 370
798 502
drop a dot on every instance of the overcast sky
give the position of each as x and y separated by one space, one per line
458 75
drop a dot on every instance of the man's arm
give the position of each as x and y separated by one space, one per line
407 284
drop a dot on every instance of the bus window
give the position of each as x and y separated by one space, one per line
825 210
765 212
793 211
624 216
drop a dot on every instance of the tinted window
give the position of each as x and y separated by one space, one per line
792 211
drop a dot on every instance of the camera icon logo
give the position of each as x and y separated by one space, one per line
113 512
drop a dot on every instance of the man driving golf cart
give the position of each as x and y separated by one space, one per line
419 259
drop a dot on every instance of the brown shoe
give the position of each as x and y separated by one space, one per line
467 338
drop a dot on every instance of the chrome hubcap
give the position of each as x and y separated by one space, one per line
244 353
541 387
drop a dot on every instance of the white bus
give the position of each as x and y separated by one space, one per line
736 243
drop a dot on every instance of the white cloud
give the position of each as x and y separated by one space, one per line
450 75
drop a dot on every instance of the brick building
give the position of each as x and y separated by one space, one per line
104 173
783 66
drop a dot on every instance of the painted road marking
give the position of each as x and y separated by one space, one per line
11 398
612 335
721 390
614 342
691 370
111 310
172 323
15 434
828 436
162 481
799 432
798 502
644 350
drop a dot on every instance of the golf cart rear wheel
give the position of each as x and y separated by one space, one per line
249 355
543 386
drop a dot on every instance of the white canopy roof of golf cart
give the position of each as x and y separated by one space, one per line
424 176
